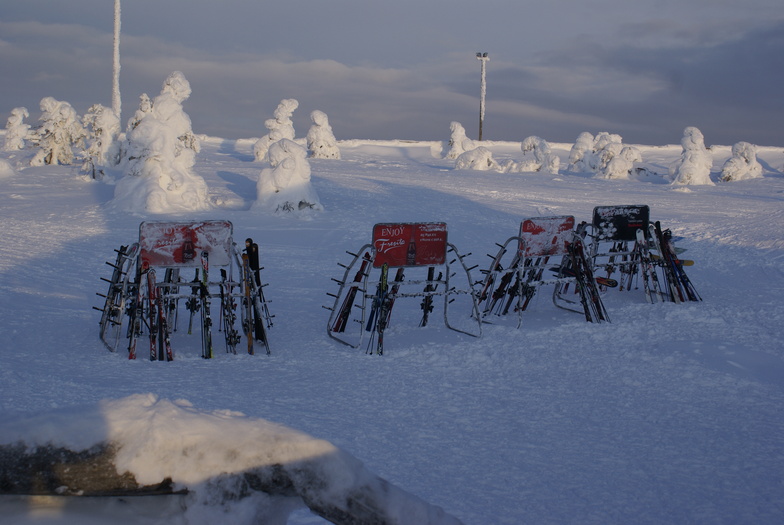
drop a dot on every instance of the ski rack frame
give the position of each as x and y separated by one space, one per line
116 297
517 271
127 286
446 290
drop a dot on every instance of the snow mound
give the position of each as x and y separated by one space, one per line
6 170
222 458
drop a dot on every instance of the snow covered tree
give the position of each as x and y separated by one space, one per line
320 139
280 127
592 154
60 130
543 157
159 176
16 130
695 162
285 186
742 165
620 165
459 143
478 159
102 149
145 107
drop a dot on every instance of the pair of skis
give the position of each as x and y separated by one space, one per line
255 314
679 286
381 309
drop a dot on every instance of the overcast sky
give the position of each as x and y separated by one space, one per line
405 69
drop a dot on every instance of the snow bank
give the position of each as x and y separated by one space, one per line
222 458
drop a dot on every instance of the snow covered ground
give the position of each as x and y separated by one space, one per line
669 414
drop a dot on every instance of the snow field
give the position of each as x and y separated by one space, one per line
671 413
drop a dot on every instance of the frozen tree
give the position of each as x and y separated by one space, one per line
620 166
695 162
592 154
145 107
478 159
280 127
59 131
577 156
459 143
103 148
159 176
742 165
285 186
16 130
321 141
543 158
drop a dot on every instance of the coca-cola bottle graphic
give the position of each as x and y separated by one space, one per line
188 252
411 253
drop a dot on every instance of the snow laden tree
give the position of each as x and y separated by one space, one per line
320 139
285 186
103 149
59 132
478 159
742 165
145 107
158 164
459 143
16 130
280 127
621 164
542 157
592 154
694 165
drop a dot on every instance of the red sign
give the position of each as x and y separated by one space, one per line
178 244
546 235
410 244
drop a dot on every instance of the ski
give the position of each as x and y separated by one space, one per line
381 291
206 321
586 283
385 312
247 305
650 281
683 262
193 304
674 292
569 272
228 313
674 266
427 300
152 315
136 320
348 303
164 338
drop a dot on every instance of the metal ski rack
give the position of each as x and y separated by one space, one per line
518 269
403 246
152 307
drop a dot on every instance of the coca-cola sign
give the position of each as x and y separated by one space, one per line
409 244
546 235
178 244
